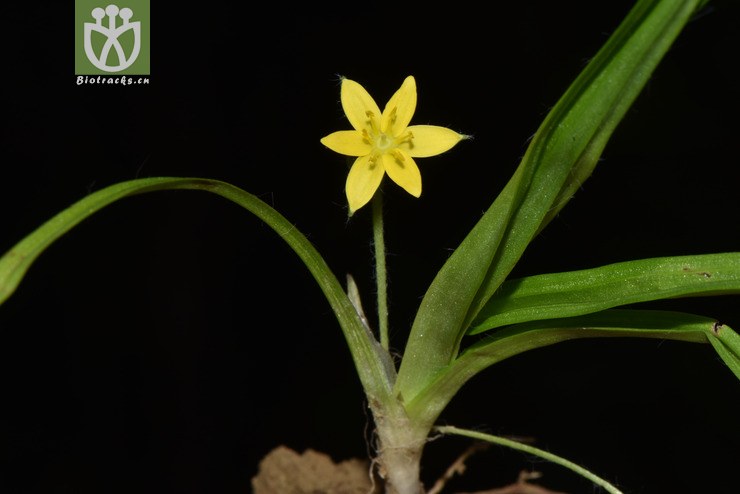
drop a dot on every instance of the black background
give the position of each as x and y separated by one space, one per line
172 340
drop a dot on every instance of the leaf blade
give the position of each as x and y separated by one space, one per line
581 292
562 154
526 448
727 345
374 365
617 323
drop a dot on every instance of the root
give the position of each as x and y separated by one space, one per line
457 467
521 486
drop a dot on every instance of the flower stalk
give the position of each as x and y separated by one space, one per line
381 277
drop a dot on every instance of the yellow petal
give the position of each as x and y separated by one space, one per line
430 140
356 103
363 180
403 170
347 142
400 108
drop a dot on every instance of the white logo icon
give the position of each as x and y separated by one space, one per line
112 33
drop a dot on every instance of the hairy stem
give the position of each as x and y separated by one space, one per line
400 446
380 269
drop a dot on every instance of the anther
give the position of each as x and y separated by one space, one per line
407 136
373 120
398 155
390 120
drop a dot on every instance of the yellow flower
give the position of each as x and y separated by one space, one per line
384 142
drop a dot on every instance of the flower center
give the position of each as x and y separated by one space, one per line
382 141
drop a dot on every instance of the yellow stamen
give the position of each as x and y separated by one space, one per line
406 136
366 136
391 119
373 121
398 155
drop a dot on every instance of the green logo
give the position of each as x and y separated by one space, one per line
112 38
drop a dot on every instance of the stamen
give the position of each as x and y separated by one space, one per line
366 136
388 122
406 136
393 115
373 121
398 155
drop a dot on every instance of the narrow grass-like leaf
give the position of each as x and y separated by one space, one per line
561 155
511 341
581 171
373 363
727 344
526 448
550 296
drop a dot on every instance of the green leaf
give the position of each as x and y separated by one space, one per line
546 455
575 293
511 341
373 364
562 154
727 344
